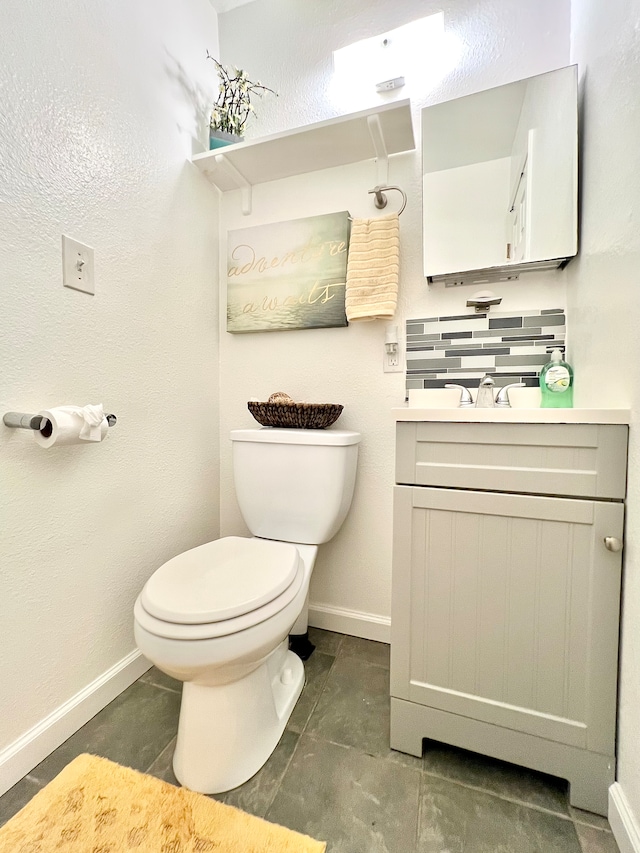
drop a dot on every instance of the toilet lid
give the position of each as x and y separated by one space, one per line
220 580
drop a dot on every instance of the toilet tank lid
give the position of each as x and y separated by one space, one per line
275 435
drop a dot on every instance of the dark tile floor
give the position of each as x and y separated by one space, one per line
334 777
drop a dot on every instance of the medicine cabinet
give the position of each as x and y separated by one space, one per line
500 180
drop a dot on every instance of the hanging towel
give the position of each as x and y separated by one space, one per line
372 269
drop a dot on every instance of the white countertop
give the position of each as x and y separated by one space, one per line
514 416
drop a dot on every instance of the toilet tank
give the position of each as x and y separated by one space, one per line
294 485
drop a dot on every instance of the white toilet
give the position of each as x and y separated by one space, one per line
218 617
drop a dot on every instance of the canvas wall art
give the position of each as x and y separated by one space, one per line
288 275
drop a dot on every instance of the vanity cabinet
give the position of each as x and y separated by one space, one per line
506 594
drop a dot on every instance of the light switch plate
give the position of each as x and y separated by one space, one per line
77 265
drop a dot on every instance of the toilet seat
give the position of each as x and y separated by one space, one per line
220 588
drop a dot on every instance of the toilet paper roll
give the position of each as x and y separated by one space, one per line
68 425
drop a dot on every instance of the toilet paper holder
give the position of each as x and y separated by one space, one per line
19 420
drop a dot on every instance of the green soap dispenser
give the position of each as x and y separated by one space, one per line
556 383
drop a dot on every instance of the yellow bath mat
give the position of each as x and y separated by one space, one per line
96 806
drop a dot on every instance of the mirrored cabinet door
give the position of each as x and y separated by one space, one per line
500 180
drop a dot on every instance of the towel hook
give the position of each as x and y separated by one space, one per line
380 200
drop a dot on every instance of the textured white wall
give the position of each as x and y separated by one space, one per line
288 45
99 102
604 297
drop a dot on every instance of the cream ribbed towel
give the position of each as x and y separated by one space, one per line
372 269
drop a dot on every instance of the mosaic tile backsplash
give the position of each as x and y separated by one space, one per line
512 347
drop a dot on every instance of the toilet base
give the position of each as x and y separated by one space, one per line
227 732
301 645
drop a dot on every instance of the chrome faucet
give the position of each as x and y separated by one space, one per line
485 400
466 399
502 398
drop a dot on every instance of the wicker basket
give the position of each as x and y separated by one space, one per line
296 415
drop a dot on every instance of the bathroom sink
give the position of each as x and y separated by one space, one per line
434 398
443 404
512 415
449 398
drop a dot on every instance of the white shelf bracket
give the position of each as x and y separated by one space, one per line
239 179
379 146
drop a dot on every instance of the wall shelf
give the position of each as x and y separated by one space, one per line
374 133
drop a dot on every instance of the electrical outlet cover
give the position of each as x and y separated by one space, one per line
392 363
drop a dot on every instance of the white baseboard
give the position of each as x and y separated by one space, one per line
623 824
21 756
370 626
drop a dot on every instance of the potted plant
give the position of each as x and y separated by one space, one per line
233 106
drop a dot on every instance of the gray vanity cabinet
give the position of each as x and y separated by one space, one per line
506 595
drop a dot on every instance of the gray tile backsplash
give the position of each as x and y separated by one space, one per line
512 347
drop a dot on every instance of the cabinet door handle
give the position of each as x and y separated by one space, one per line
612 544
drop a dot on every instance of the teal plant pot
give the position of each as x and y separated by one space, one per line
219 139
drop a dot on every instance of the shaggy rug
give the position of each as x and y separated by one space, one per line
96 806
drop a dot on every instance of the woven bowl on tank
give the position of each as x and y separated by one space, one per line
296 415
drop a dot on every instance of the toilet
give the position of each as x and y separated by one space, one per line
218 616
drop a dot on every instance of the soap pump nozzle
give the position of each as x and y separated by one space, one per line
485 399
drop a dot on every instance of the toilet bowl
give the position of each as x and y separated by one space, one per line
218 616
240 680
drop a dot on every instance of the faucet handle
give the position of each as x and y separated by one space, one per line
465 395
502 397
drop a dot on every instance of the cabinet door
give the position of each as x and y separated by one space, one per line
506 609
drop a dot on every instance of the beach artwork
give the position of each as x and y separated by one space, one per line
288 275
